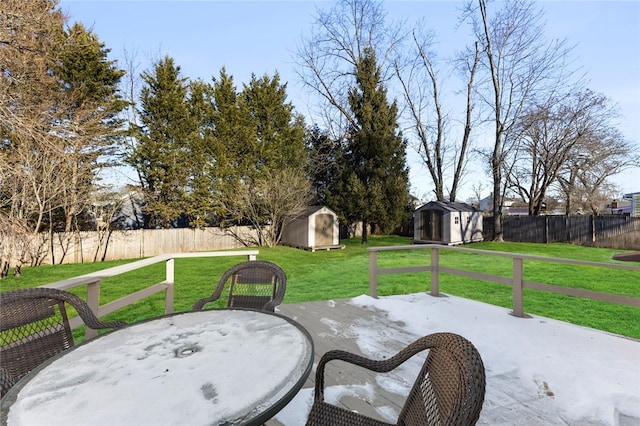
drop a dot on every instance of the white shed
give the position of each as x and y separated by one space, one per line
315 229
447 222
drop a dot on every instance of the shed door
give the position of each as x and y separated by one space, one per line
431 225
324 230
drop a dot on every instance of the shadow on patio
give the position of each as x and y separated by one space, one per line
539 370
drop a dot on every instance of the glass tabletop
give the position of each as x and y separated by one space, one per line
227 366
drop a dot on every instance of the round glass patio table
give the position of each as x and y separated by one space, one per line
211 367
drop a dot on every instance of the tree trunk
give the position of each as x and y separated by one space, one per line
497 207
364 232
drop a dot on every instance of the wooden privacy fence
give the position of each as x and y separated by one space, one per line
79 247
619 232
516 281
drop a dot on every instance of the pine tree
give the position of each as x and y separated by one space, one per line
373 185
232 131
266 182
324 155
199 206
88 106
279 133
162 154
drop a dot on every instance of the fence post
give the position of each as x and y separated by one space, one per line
435 271
93 300
373 274
169 279
517 287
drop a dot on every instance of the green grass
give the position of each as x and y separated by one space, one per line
341 274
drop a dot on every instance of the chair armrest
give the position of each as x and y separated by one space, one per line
200 303
81 307
379 366
87 315
216 293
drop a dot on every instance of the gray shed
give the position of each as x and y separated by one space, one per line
315 229
447 222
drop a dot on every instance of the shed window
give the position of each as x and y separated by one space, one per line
456 221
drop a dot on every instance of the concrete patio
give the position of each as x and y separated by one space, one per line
539 371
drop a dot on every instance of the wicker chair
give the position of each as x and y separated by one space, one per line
254 284
34 326
449 389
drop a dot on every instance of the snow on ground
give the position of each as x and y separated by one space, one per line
589 374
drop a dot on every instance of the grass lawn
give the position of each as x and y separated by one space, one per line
341 274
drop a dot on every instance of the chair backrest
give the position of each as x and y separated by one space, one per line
256 284
34 326
451 385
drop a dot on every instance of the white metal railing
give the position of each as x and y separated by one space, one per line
516 280
92 281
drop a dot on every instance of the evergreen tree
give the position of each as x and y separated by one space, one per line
200 208
373 185
265 181
232 131
88 106
162 154
279 133
324 155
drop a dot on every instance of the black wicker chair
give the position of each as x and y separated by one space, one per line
254 284
448 391
34 326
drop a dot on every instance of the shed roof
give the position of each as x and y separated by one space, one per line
313 209
451 206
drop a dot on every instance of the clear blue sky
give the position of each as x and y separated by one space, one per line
260 36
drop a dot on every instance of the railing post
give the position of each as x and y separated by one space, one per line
435 271
373 274
169 279
518 274
93 300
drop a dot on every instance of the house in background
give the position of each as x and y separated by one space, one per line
486 205
315 229
115 210
517 207
447 222
634 198
629 205
617 207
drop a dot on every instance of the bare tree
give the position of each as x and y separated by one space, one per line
520 67
550 134
14 235
105 208
328 59
30 154
52 123
583 178
477 189
429 122
130 86
269 202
